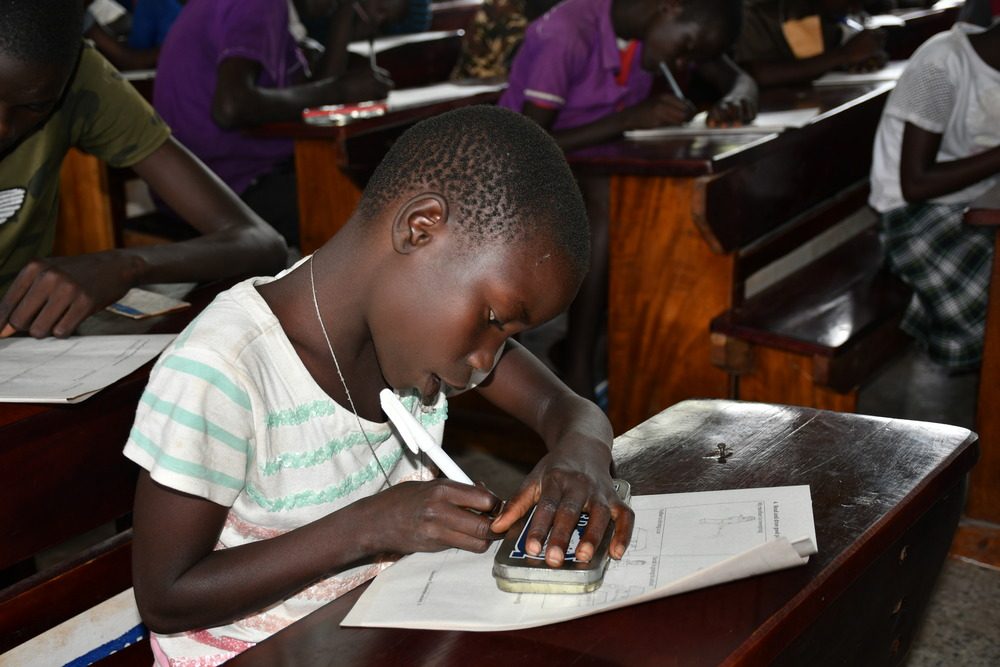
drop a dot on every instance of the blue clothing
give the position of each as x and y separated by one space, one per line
151 21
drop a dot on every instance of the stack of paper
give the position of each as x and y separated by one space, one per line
439 92
681 542
890 72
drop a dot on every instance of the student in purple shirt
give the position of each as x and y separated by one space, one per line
230 65
585 72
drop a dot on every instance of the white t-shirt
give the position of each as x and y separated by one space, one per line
946 89
231 414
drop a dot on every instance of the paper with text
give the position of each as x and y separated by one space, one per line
766 121
67 371
681 542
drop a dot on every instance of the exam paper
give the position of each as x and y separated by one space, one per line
361 47
439 92
51 370
766 121
890 72
680 542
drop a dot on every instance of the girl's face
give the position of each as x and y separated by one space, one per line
29 93
447 312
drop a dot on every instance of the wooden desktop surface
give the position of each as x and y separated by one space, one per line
886 498
681 209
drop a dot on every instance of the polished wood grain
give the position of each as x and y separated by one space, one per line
984 494
886 496
85 210
684 209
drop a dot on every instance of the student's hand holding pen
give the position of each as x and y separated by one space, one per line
657 111
863 52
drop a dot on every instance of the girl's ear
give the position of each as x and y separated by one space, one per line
418 221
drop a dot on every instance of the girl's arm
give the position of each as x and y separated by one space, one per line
575 475
922 177
182 582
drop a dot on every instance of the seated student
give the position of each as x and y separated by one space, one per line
585 72
787 42
151 21
231 65
57 93
99 27
937 149
497 30
470 231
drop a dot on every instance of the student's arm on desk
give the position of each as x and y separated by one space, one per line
575 475
654 111
52 296
739 95
239 102
863 52
922 177
121 55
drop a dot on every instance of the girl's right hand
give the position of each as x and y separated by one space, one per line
430 516
659 110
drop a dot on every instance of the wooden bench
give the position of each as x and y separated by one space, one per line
815 336
454 14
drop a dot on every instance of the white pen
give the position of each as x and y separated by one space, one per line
670 79
418 439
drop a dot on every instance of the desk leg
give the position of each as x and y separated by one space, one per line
984 492
665 285
84 223
327 196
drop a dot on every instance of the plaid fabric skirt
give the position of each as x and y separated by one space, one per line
948 265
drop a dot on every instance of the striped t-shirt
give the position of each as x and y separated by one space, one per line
230 414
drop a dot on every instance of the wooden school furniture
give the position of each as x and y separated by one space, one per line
683 213
62 474
453 14
984 490
333 163
886 497
920 25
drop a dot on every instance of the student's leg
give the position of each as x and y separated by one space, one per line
587 311
274 197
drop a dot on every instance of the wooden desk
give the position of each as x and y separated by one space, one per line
921 24
334 163
886 499
984 493
681 210
51 453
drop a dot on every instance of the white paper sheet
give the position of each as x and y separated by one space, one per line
681 542
890 72
767 121
361 47
439 92
68 371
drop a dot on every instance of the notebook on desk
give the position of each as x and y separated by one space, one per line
765 122
381 44
890 72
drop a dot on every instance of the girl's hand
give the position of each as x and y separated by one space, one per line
562 487
429 516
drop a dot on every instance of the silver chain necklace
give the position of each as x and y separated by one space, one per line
336 364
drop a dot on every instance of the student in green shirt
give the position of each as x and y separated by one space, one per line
57 93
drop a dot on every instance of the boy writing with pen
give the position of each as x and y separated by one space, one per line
585 73
231 65
272 483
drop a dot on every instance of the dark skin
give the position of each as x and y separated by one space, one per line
51 296
921 176
861 53
666 38
240 103
478 302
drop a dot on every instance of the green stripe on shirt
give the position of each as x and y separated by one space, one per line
309 498
322 454
211 375
195 422
187 468
300 414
